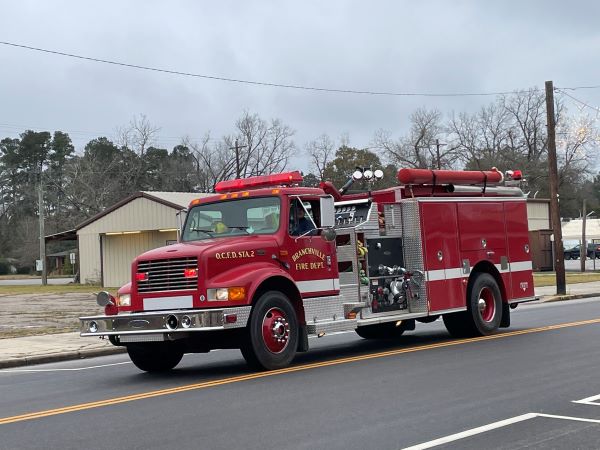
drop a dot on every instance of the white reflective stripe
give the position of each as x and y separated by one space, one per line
327 284
457 272
500 269
452 274
445 274
158 303
436 275
521 266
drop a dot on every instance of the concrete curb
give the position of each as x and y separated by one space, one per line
58 357
563 298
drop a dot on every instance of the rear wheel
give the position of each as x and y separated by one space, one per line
484 309
155 356
272 337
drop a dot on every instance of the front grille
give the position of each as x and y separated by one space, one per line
167 275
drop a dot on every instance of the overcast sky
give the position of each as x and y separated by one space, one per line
398 46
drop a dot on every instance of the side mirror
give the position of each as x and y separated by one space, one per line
328 234
104 299
327 211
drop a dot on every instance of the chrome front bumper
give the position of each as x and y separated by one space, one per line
156 322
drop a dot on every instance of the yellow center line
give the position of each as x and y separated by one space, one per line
298 368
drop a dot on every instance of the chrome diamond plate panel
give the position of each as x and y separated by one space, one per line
324 308
393 219
410 220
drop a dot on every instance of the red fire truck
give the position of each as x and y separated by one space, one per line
264 263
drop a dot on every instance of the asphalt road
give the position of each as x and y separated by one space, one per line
34 281
514 390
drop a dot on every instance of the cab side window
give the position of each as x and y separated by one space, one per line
302 217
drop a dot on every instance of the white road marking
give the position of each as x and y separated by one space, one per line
496 425
576 419
472 432
588 400
73 369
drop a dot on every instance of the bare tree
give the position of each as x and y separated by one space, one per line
576 146
320 151
267 145
421 148
138 135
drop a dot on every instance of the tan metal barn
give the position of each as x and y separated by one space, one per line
109 241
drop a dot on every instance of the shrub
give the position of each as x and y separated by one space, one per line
24 270
4 267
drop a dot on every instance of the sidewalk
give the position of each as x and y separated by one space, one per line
22 351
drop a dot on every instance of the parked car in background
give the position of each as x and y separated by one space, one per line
593 250
573 252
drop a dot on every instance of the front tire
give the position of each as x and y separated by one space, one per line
273 333
155 357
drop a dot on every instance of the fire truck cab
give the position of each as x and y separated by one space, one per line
264 263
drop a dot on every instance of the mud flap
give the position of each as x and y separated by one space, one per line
303 339
505 322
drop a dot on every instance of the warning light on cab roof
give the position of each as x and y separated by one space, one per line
278 179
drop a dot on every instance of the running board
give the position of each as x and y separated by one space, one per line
331 326
394 318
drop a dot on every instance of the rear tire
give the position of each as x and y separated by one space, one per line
155 357
484 309
272 334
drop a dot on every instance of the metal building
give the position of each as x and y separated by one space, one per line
109 241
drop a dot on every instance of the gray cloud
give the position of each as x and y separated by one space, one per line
433 46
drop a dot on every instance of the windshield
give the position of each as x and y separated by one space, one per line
232 218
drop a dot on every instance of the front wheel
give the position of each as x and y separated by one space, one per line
155 356
272 337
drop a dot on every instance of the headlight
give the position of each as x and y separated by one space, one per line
222 294
227 294
124 300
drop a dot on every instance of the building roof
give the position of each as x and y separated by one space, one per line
572 230
182 199
175 200
64 253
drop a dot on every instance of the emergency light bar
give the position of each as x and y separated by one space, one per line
278 179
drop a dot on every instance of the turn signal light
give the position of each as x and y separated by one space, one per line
237 293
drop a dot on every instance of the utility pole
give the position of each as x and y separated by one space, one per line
42 239
583 247
237 157
437 153
438 159
559 255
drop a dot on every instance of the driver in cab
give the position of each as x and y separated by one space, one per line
299 223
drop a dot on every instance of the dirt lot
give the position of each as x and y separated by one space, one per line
32 314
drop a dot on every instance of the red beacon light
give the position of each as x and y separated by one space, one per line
278 179
515 175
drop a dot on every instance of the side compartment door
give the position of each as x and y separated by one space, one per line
445 287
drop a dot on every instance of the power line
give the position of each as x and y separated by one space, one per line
265 83
581 102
